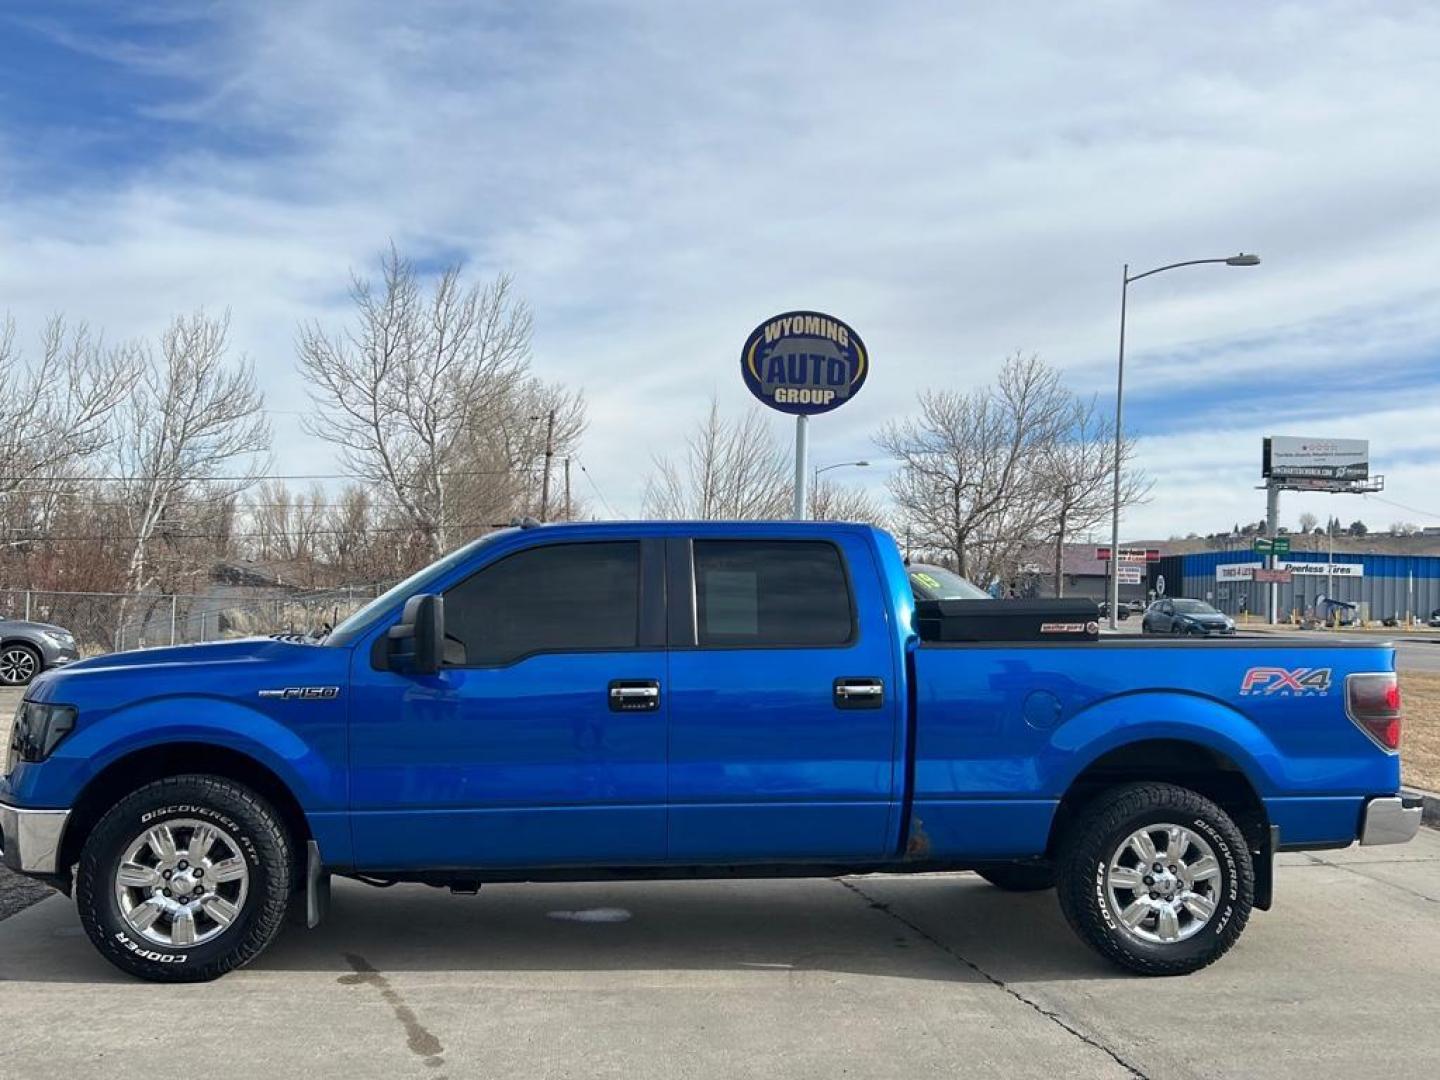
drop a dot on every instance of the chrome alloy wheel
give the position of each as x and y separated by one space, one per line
1163 892
17 666
181 883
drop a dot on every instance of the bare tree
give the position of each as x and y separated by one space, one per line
730 470
419 378
967 483
55 414
1308 521
1076 477
191 417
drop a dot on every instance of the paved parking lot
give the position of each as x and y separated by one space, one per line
868 977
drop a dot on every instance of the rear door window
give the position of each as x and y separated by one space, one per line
771 593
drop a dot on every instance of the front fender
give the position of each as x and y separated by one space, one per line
312 767
1146 715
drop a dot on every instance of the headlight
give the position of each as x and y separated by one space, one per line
59 639
37 731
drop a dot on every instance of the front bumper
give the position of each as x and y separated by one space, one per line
30 839
1394 819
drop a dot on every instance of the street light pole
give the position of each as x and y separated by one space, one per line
1241 259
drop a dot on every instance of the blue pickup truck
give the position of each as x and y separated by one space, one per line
665 699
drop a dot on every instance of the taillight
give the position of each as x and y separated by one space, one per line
1373 702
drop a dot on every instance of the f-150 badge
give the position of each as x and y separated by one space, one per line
303 693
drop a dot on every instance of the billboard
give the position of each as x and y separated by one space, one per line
1292 457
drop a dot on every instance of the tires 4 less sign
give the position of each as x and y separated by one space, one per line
804 363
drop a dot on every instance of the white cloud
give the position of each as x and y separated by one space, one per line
955 182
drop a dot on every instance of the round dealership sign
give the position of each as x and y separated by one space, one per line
804 362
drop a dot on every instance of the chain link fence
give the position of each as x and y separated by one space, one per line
106 622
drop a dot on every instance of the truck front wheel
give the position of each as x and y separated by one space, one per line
1156 878
185 879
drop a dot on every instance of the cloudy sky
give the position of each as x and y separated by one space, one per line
957 181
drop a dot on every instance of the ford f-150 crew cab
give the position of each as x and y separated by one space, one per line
691 699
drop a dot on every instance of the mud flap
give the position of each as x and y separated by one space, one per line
1264 863
317 886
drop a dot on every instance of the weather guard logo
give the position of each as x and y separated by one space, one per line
1285 682
303 693
804 362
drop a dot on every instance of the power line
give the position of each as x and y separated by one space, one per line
246 479
163 535
1402 506
598 493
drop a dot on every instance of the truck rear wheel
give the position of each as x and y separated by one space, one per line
185 879
1156 878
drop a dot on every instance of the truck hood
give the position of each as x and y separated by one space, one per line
226 669
241 650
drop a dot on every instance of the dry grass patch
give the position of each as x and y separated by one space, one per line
1420 744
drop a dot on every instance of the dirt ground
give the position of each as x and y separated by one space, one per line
1420 744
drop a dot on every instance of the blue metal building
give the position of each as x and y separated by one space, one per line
1381 586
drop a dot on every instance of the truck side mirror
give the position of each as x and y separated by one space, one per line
415 642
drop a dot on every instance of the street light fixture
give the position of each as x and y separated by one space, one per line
840 465
1242 259
815 476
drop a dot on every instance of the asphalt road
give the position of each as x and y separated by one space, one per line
939 975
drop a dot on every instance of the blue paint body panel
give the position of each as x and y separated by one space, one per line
747 758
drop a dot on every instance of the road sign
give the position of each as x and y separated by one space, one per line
804 363
1273 577
1128 575
1278 546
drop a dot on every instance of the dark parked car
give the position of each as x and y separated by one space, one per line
1177 615
28 648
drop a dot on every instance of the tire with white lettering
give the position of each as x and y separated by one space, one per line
185 879
1156 878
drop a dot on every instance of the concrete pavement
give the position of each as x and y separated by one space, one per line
868 977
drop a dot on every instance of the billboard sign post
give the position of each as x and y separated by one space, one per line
803 363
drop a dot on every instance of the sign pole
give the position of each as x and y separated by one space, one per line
1272 522
803 363
802 467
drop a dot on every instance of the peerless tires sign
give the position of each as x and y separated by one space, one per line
804 363
1290 457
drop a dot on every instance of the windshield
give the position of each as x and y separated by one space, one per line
356 624
937 583
1194 607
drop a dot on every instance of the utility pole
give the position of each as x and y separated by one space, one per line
568 515
549 454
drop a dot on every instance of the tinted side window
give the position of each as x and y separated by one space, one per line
558 598
771 592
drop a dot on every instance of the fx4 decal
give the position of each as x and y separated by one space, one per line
303 693
1285 682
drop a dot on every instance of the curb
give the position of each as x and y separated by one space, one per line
1430 806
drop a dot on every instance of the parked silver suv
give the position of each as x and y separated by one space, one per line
28 648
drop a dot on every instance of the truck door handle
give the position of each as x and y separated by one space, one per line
634 695
862 692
